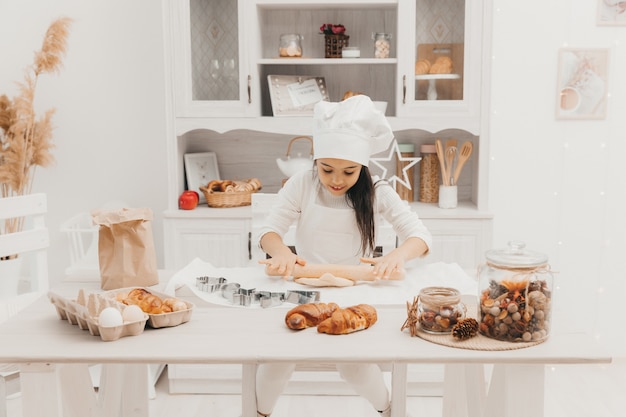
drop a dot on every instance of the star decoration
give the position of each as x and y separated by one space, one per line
394 152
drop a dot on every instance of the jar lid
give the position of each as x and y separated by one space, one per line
406 147
516 256
428 148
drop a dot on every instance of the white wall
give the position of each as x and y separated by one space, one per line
109 100
558 185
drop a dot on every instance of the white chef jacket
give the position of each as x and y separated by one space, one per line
326 228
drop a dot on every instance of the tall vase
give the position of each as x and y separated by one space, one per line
10 273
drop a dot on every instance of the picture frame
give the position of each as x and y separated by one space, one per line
296 95
200 168
582 86
611 13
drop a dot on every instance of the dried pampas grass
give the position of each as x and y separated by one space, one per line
25 139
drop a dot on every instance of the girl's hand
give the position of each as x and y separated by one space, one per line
283 264
386 265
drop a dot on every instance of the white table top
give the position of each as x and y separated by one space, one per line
246 336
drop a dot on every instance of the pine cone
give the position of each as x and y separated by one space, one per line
465 329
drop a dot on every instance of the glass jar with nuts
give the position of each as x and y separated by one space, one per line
515 295
439 309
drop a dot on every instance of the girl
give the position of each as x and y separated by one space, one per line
335 207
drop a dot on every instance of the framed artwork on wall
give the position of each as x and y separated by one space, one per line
582 85
611 13
200 168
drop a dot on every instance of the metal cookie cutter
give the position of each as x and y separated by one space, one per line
243 297
210 284
229 290
269 299
302 297
233 292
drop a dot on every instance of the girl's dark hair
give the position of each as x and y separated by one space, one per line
361 197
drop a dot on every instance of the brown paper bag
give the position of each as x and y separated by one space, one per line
126 248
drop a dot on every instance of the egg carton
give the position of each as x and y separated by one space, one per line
84 312
156 321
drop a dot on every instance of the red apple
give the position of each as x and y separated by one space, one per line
188 200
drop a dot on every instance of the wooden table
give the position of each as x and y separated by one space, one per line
54 357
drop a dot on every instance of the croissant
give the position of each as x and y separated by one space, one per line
348 320
309 315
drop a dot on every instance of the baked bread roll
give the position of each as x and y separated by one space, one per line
151 303
309 315
227 186
215 185
349 320
147 301
232 186
442 65
349 94
175 304
422 66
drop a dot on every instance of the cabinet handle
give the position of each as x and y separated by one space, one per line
249 93
404 89
249 246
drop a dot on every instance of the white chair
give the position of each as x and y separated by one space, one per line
31 244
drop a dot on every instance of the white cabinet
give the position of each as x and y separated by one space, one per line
224 242
208 50
229 112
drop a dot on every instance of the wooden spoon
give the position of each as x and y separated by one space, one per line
442 161
450 155
464 154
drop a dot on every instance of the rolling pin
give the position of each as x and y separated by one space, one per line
351 272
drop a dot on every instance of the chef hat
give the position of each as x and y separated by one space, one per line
352 129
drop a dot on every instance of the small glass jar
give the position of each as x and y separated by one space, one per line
515 294
429 174
290 45
439 309
382 44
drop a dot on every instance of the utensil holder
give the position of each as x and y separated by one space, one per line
448 196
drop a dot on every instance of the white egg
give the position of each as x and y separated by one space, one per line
132 313
110 317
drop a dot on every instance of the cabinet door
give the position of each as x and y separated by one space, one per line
223 242
209 58
440 68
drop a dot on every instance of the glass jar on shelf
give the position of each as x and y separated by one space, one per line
515 294
290 45
382 44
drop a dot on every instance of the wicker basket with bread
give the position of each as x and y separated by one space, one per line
230 193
